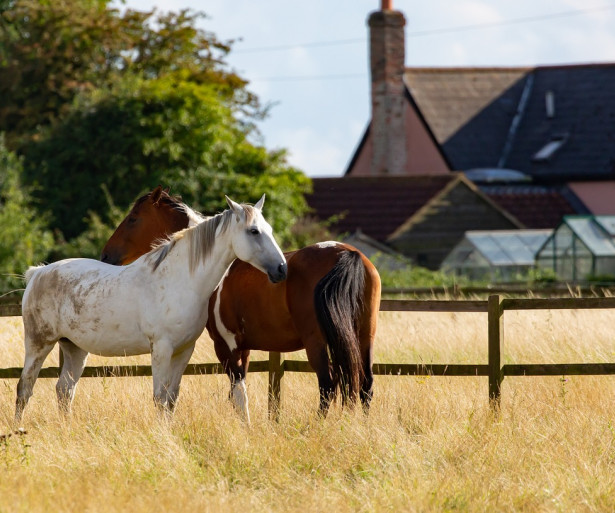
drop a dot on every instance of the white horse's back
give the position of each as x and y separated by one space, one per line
88 302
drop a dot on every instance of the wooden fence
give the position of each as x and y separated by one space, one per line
495 307
597 289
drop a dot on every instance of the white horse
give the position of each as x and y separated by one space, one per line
157 304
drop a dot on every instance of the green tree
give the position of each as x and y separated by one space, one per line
54 50
170 131
89 243
24 240
92 96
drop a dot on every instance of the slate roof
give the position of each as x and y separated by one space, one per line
536 206
497 117
375 206
450 98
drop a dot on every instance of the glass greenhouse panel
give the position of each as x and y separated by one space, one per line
607 223
598 241
581 247
492 251
563 241
605 266
509 248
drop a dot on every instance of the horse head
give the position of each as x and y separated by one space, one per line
253 241
154 217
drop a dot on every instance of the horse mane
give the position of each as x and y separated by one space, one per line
201 238
194 217
176 203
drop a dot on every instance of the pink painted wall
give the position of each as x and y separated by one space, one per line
599 197
423 157
422 153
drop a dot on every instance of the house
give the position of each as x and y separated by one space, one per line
534 144
580 248
553 125
422 217
496 255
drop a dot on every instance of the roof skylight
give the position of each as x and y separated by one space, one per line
548 150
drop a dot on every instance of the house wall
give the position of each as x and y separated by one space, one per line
422 155
599 197
442 225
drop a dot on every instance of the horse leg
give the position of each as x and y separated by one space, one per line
178 366
245 360
319 360
167 371
36 352
367 386
239 392
367 335
74 363
237 370
367 331
235 363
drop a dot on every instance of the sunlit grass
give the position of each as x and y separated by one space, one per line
429 443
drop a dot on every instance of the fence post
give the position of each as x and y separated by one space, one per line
276 371
495 319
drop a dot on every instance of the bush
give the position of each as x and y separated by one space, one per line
25 239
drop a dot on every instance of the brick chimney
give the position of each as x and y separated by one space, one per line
387 62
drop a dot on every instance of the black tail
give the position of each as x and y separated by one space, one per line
338 300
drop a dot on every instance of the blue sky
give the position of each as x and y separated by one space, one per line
309 60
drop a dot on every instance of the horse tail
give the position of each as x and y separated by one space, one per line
31 272
338 301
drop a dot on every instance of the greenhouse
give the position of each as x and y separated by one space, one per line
580 248
498 256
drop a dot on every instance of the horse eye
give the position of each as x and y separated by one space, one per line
132 220
254 231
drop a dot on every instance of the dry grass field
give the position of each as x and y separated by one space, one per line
429 443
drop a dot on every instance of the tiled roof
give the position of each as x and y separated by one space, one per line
375 205
471 113
535 206
449 98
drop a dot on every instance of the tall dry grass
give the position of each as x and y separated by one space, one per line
429 443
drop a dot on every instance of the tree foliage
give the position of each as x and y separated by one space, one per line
53 50
104 103
25 240
167 131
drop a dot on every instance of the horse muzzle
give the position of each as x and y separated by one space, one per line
279 274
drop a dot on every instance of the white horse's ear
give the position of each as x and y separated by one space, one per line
235 207
260 203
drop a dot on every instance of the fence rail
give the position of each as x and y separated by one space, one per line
543 289
494 370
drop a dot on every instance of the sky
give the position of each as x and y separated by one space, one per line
309 60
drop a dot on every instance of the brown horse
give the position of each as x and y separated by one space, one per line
328 304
